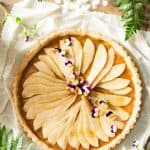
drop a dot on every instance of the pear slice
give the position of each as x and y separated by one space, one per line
88 127
34 110
115 72
88 55
99 131
77 51
118 83
106 126
46 59
123 91
60 61
98 63
36 89
67 49
43 67
73 136
120 112
117 123
109 64
38 80
39 99
45 76
81 136
62 139
37 108
115 100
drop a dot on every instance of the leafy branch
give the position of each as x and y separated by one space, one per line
132 15
9 142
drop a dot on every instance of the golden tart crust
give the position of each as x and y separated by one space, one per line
104 86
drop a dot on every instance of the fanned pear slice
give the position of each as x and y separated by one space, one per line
39 80
88 55
88 127
73 136
48 114
106 126
117 123
109 64
62 139
36 89
115 72
52 65
115 100
116 84
39 99
123 91
120 112
67 49
81 136
99 131
34 110
43 67
98 63
45 76
77 51
60 61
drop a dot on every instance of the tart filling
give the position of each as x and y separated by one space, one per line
78 92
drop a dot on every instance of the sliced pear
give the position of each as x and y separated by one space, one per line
36 89
88 55
81 136
60 61
50 104
36 109
98 63
106 126
123 91
62 139
43 67
88 127
107 68
67 49
73 136
118 83
115 100
46 59
99 131
77 51
39 80
120 112
115 72
45 76
39 99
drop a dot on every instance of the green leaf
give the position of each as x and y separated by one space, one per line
19 20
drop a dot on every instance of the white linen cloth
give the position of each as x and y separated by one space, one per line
49 17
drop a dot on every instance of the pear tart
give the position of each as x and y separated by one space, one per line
77 90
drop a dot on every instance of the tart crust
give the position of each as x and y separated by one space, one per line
77 32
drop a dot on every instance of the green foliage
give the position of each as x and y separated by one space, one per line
132 15
9 142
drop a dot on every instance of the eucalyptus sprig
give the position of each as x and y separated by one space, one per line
132 15
9 142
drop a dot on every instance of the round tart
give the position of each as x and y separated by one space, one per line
77 90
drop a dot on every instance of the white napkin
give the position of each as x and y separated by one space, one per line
49 17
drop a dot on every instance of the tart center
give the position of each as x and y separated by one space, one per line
79 86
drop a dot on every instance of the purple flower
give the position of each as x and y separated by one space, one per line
68 62
109 113
69 41
27 38
58 49
71 86
89 89
113 129
135 143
